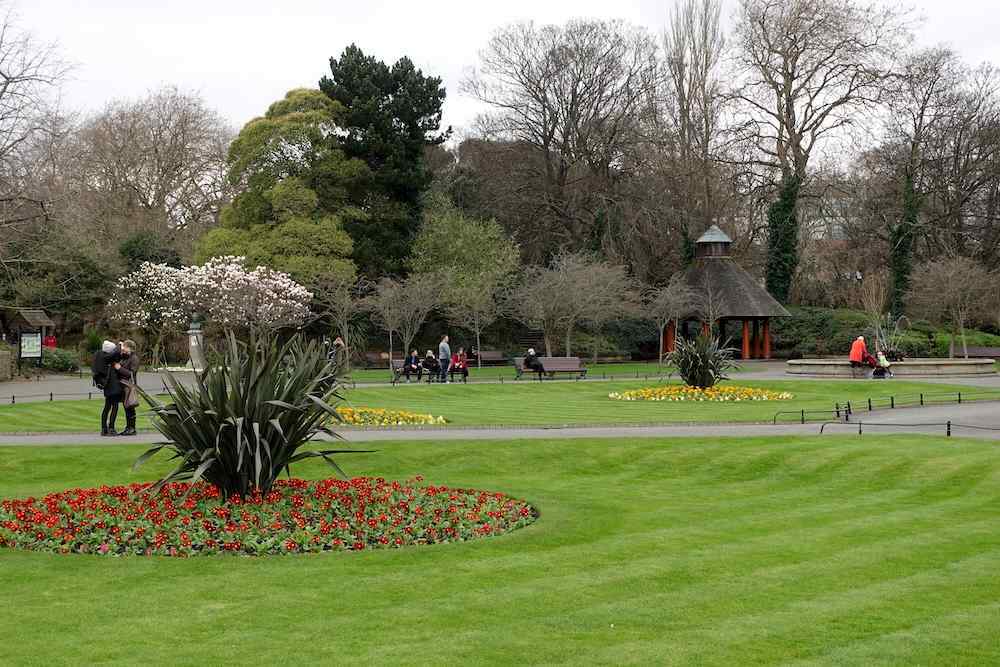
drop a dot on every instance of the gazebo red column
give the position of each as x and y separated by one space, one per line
745 350
767 338
669 338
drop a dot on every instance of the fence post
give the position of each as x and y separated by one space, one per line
859 428
892 402
803 416
88 395
838 410
949 428
869 405
960 397
921 399
51 398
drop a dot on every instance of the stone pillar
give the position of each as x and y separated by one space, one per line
196 347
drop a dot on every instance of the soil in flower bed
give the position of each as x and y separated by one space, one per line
719 393
296 516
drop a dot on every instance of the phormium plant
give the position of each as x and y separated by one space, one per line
701 361
247 417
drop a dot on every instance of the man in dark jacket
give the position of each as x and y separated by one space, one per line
106 378
412 365
533 363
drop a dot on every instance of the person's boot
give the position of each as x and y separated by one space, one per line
129 429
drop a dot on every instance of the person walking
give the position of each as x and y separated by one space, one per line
128 373
444 357
105 377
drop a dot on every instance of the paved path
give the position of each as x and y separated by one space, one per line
978 420
65 387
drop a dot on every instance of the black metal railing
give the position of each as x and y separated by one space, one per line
947 426
847 409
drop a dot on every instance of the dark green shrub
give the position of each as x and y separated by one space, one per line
245 420
701 361
59 360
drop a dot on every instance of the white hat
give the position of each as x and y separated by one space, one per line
108 347
531 350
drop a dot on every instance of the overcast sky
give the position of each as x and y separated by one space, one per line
241 55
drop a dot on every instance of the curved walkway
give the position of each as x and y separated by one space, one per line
976 420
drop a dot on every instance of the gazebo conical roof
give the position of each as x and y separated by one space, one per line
735 293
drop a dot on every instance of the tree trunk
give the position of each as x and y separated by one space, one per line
569 336
479 350
951 345
548 345
783 239
965 348
390 351
659 349
901 247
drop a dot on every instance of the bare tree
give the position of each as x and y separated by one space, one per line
155 164
693 44
403 307
809 67
577 289
668 304
952 291
577 96
341 301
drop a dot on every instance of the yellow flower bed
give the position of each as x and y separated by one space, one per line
383 417
684 393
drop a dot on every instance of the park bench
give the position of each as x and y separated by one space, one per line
397 372
374 360
491 357
553 365
980 352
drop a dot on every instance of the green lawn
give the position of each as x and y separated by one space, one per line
534 403
813 550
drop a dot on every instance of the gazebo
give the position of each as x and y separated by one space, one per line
733 296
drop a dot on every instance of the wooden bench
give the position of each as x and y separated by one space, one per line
553 365
397 373
979 352
495 357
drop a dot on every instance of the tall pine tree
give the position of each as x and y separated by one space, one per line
390 115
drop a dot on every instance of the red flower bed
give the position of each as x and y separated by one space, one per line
296 516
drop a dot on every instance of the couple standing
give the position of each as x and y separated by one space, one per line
116 371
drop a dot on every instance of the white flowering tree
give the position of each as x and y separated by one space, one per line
160 300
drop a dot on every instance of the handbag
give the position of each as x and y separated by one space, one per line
131 397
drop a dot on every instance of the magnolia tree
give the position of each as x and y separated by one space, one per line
160 300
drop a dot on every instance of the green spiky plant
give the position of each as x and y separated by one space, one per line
247 416
702 361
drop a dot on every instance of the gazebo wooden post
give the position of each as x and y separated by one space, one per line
670 338
746 339
706 329
767 338
755 352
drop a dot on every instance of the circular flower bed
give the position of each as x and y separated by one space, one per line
675 392
296 516
383 417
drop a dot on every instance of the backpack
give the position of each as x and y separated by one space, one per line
99 370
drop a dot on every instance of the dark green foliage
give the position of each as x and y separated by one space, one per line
147 247
61 361
702 361
901 247
783 240
245 419
390 115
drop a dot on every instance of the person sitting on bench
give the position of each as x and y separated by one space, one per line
460 364
431 366
533 363
412 365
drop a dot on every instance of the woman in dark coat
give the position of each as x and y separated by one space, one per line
128 374
431 366
106 379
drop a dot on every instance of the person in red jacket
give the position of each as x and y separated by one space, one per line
859 354
49 342
460 364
